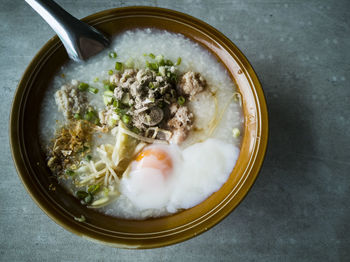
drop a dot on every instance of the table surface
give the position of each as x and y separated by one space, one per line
298 209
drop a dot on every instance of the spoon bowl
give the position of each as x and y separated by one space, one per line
80 39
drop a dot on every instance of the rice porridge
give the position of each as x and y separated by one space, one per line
149 127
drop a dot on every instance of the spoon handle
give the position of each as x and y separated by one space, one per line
80 40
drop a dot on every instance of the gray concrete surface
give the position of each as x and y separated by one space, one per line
298 209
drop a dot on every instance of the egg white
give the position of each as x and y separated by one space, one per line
198 171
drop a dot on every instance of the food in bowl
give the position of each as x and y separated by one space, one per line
145 129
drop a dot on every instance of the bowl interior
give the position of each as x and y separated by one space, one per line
61 207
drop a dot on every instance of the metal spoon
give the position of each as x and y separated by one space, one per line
80 39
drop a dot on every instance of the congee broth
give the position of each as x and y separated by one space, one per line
149 127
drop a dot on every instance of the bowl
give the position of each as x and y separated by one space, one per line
156 232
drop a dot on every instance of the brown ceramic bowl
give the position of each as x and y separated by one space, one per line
62 207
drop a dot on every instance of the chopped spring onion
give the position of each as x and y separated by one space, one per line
96 79
112 54
96 121
161 62
77 116
169 62
152 56
181 100
178 62
90 115
88 157
108 93
162 70
83 149
118 66
93 188
126 119
80 219
125 99
108 87
112 122
87 117
152 66
81 194
235 132
159 58
151 85
88 199
117 104
120 111
135 130
83 86
107 100
69 172
107 97
173 77
93 90
110 72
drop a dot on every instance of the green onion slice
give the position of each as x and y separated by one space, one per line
118 66
112 54
93 188
181 100
81 194
88 199
93 90
83 86
178 62
108 87
108 93
169 63
151 85
69 172
126 119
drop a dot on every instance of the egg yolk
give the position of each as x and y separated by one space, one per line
155 158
